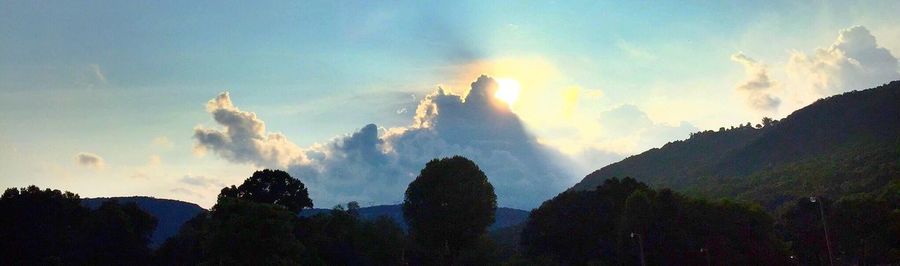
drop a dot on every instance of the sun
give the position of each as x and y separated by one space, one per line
508 91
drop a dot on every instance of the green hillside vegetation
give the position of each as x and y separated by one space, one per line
840 145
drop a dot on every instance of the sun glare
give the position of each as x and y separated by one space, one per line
508 90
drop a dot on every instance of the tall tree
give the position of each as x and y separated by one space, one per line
274 187
39 226
249 233
449 206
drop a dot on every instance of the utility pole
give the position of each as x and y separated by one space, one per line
708 261
825 227
641 246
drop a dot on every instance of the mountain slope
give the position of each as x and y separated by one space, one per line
844 144
170 214
504 217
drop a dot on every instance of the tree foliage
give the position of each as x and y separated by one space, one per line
249 233
41 227
584 227
341 237
449 206
274 187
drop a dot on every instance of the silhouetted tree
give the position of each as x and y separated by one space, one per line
593 227
274 187
184 248
353 208
117 234
862 229
341 238
448 207
39 226
249 233
766 121
50 227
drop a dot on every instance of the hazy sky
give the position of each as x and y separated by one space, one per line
110 98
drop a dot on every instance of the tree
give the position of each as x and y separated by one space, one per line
271 186
249 233
48 227
39 226
117 233
340 237
766 121
594 227
448 207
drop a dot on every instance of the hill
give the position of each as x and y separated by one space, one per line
840 145
505 217
170 214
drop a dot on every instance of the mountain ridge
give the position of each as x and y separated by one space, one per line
172 214
783 159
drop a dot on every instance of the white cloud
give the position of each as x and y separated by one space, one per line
90 160
757 89
853 62
374 165
244 138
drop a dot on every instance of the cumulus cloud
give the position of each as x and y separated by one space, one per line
853 62
243 138
89 160
758 87
374 165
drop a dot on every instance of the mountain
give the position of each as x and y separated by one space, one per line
840 145
170 214
505 217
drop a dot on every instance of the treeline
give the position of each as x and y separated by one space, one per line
50 227
608 226
448 208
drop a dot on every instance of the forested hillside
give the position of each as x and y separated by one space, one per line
840 145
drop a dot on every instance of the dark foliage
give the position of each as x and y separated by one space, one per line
504 217
116 234
274 187
185 247
448 208
243 232
39 226
170 214
341 237
863 229
594 227
50 227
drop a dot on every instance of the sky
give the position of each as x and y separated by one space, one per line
176 99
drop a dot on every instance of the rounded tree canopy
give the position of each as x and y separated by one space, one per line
450 204
273 187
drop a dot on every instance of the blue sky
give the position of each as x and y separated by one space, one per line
128 82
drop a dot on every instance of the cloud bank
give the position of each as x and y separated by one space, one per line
374 165
853 62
